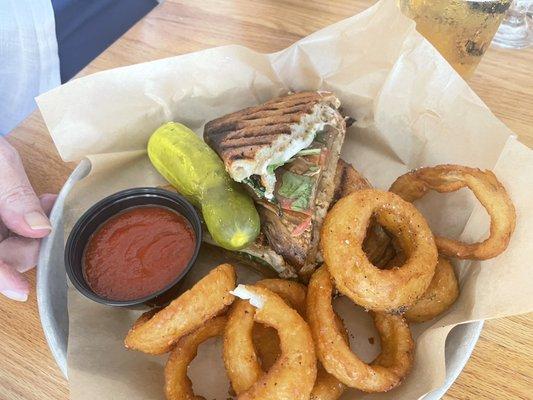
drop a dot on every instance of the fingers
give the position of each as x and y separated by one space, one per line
22 213
47 201
20 209
12 283
3 231
19 252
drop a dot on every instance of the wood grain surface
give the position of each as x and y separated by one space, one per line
501 366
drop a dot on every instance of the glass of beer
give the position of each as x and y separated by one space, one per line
461 30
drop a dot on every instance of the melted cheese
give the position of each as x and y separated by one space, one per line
284 147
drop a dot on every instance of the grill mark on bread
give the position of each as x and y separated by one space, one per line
252 126
260 118
306 107
257 131
259 140
239 153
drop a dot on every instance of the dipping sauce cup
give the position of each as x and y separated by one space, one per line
133 248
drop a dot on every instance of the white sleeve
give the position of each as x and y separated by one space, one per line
29 62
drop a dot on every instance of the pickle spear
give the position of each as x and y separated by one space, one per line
197 173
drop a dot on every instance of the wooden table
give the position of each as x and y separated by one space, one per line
500 367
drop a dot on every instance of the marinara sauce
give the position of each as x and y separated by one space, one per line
138 252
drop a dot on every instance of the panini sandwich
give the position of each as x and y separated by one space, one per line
285 152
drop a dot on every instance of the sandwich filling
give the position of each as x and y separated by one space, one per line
259 173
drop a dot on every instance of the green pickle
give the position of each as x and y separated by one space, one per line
197 173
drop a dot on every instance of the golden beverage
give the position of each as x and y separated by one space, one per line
461 30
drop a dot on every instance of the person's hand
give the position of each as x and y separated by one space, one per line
23 221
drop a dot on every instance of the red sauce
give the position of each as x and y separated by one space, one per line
138 252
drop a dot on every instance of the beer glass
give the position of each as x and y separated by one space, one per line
461 30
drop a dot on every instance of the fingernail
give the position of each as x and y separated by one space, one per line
14 295
37 220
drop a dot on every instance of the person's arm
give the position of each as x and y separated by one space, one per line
23 222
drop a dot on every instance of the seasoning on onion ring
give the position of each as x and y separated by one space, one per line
327 387
487 189
293 293
178 386
266 343
242 363
207 298
440 295
265 350
355 276
386 371
297 358
265 339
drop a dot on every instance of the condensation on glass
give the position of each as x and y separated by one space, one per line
461 30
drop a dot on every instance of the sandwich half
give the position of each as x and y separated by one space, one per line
255 141
285 152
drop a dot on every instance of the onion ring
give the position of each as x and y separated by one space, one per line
440 295
178 386
386 371
297 357
266 342
262 355
355 276
327 387
240 358
265 339
207 298
487 189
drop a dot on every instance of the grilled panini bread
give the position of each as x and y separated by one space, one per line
253 142
347 180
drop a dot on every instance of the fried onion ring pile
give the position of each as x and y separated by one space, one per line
343 233
440 295
209 297
283 340
386 371
487 189
178 386
297 358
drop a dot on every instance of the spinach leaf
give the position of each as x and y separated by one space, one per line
297 188
256 186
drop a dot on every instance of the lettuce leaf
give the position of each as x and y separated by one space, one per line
297 188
